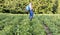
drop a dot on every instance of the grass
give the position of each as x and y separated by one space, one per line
19 24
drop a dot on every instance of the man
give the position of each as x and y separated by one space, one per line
30 9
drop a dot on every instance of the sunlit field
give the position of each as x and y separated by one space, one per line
19 24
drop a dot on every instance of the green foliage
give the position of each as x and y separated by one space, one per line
58 7
39 6
15 24
53 22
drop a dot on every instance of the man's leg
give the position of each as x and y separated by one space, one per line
30 18
31 15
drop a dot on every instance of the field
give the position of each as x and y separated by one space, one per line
19 24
